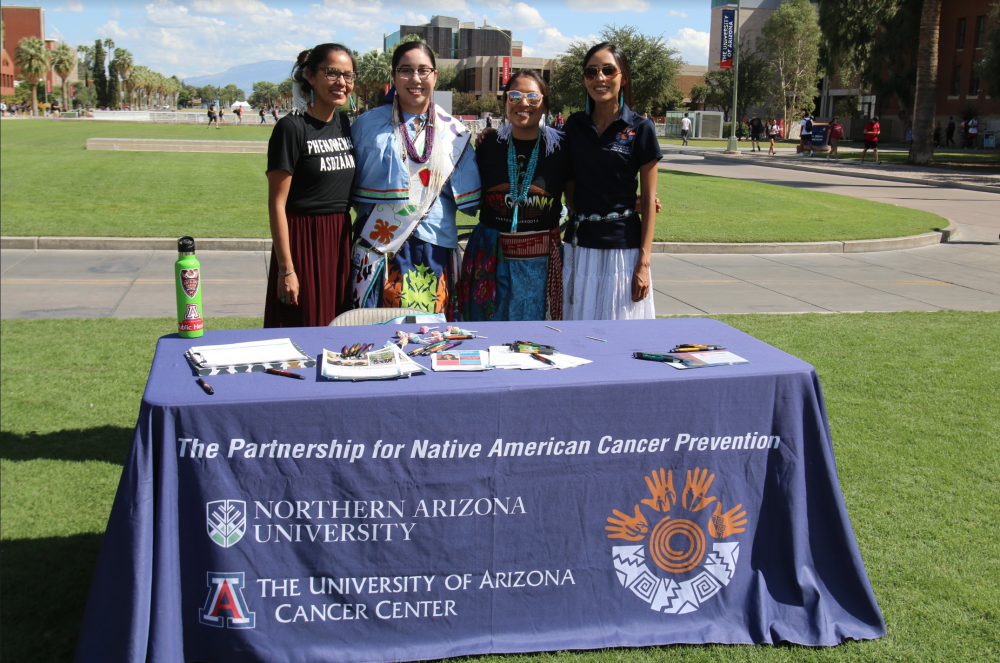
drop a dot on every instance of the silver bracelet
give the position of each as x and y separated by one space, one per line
286 273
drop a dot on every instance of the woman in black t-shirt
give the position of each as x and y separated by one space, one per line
512 269
310 167
607 266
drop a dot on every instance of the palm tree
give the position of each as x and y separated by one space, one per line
123 64
63 61
375 72
136 83
922 147
32 58
86 54
285 92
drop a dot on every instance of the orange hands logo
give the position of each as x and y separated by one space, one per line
724 524
663 494
383 232
696 487
628 527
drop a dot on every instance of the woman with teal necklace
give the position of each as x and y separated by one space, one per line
512 269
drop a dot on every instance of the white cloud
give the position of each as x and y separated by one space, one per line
693 45
520 17
608 5
74 6
674 12
550 42
55 34
112 29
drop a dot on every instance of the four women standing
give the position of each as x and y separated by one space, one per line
416 167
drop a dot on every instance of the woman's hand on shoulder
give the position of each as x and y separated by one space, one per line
483 135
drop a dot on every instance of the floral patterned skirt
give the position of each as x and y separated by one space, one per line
523 282
421 275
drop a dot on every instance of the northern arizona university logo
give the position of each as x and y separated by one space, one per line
225 605
677 544
226 521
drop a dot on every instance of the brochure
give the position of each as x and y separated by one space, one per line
501 356
250 357
382 364
706 359
461 360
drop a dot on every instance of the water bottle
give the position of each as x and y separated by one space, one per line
187 274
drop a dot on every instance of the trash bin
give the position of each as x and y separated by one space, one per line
990 141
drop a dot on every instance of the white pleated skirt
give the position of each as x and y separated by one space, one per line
597 285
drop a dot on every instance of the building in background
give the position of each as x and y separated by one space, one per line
691 75
6 73
753 15
18 23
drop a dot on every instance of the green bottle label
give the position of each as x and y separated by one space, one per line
189 314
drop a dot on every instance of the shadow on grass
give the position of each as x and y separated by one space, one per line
103 443
45 585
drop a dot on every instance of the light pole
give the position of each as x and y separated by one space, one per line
733 148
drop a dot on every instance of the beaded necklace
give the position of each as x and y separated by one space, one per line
411 150
520 196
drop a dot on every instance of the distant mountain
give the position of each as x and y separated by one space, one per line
245 75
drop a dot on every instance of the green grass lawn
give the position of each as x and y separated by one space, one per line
914 413
51 185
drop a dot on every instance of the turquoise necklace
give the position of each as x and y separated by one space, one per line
519 196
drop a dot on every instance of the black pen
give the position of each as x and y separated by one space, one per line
204 385
543 359
284 374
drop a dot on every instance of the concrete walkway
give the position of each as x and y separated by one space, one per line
961 274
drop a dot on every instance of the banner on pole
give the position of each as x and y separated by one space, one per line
506 70
48 86
728 29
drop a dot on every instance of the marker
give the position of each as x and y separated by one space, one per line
543 359
204 385
697 348
597 339
447 347
284 374
550 327
651 356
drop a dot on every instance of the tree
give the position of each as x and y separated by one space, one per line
756 78
654 66
284 91
122 65
447 79
790 40
63 62
488 103
464 103
922 147
86 56
263 93
97 73
114 93
988 68
374 73
32 58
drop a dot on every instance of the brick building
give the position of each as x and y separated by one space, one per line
18 23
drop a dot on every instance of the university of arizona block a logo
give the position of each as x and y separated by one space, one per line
225 606
226 521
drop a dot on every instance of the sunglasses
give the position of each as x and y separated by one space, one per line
332 74
533 98
609 71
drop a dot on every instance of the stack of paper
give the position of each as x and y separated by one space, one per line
501 356
383 364
278 353
461 360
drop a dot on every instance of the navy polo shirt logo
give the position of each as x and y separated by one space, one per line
623 141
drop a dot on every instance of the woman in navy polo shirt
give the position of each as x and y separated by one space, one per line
606 267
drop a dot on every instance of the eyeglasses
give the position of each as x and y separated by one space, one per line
422 72
514 97
609 71
332 74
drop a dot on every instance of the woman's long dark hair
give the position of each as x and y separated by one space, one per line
621 59
405 48
312 58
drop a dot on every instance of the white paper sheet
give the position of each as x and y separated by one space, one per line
254 352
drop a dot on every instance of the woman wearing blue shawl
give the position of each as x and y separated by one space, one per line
415 169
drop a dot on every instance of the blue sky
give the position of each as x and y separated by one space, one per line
193 37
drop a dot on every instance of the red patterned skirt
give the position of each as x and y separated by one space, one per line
321 254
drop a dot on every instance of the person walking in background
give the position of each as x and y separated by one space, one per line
263 117
222 115
212 116
872 130
773 131
560 122
806 135
685 129
308 282
949 132
756 132
489 121
972 133
836 133
274 112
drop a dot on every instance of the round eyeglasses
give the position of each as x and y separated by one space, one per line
533 98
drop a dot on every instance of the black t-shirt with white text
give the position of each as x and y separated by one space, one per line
320 158
543 206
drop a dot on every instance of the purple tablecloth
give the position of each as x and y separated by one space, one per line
620 503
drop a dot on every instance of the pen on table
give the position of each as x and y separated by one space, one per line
447 347
204 385
284 374
551 327
652 356
697 348
543 359
597 339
